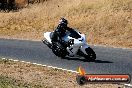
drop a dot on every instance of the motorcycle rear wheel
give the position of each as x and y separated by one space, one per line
59 50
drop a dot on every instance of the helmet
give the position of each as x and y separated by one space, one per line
63 22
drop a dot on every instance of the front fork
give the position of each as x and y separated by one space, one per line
83 48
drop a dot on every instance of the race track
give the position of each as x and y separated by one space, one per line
109 60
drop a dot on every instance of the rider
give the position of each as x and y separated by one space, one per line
60 32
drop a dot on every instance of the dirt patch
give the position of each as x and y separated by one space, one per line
43 77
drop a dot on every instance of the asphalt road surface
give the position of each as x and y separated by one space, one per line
109 60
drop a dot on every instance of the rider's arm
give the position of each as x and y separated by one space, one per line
69 29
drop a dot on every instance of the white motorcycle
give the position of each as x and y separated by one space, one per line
78 46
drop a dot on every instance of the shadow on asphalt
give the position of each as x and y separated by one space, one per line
101 61
83 60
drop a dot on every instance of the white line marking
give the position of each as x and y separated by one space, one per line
42 65
126 85
16 60
23 61
3 58
10 59
28 62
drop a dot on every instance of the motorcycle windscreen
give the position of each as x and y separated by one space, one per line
74 34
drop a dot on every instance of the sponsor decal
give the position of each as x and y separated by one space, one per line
83 78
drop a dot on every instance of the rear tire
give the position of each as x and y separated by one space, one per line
91 56
59 50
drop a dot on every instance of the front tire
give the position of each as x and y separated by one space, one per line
91 56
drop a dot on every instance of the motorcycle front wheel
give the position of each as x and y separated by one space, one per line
91 56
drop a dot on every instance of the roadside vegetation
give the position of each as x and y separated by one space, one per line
6 82
107 22
26 75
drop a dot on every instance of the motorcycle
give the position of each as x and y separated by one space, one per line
78 46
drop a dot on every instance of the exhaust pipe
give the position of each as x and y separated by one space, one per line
47 43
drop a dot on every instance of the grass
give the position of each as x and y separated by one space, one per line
6 82
106 22
16 74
